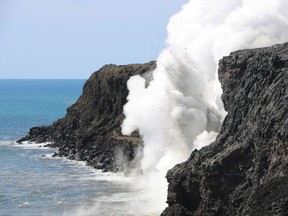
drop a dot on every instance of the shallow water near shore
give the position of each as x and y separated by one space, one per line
32 182
35 183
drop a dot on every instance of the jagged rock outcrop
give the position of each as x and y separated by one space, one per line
245 171
91 129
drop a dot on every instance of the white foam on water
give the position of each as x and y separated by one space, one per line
25 205
7 143
30 145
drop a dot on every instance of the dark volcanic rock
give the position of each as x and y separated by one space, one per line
91 129
245 171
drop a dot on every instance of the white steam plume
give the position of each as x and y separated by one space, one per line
181 108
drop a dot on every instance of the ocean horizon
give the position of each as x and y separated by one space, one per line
32 182
25 103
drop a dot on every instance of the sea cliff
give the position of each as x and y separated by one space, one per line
91 129
245 171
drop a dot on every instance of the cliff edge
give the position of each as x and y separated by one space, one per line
91 129
245 171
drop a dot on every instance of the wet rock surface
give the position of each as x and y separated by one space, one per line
91 129
245 171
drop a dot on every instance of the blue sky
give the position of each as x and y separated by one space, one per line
73 38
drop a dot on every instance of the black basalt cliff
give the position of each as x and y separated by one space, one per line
245 171
91 129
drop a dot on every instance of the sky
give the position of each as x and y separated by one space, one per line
70 39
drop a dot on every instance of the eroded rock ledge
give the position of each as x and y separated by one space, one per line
245 171
91 129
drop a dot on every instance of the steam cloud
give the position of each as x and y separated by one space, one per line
181 109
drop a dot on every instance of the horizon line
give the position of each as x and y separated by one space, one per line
43 78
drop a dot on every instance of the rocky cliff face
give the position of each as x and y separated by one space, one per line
91 129
245 171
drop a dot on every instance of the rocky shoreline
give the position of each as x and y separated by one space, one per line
245 171
91 129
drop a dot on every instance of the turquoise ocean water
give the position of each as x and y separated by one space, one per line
34 183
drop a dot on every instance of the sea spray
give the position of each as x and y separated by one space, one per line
181 108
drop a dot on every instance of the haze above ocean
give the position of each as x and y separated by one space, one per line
34 183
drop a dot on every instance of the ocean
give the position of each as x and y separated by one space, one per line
32 182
